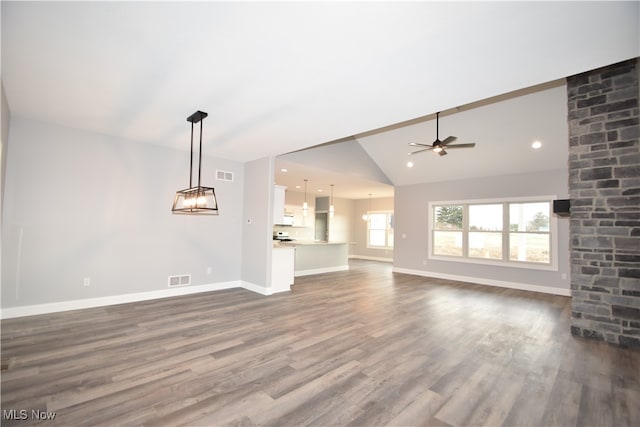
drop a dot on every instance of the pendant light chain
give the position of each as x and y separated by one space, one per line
331 207
199 155
305 206
191 160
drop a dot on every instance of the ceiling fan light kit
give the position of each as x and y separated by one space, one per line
196 200
438 147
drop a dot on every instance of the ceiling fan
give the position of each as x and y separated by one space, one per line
438 146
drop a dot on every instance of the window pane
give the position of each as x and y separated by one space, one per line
529 217
447 243
376 237
529 247
378 221
485 217
447 217
485 245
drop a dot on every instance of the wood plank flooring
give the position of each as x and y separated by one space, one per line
365 347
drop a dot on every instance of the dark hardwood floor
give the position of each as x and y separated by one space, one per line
361 348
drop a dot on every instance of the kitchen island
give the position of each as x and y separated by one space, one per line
318 257
283 260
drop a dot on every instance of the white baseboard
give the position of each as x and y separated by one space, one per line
321 270
371 258
255 288
32 310
483 281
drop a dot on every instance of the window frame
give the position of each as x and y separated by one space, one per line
386 230
552 265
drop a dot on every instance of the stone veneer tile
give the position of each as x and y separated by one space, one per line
604 184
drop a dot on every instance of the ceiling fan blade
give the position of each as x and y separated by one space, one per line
448 140
419 151
417 144
442 153
470 145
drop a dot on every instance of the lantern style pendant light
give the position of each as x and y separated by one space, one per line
305 206
198 199
331 208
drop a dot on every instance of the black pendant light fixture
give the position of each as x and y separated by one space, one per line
198 199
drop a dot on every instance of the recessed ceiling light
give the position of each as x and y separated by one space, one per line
409 164
283 170
297 186
320 190
536 145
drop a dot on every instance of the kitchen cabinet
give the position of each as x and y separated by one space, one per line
299 220
282 270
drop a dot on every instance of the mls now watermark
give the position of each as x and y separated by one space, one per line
28 414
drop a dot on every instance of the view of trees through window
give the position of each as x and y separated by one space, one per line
478 231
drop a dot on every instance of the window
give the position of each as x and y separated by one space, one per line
485 231
448 230
477 231
529 238
380 230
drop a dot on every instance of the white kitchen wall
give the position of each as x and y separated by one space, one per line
83 205
303 227
340 226
411 221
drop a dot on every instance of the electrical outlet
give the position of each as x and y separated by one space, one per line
86 281
424 262
209 270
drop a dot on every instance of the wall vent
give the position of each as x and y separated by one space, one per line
224 176
182 280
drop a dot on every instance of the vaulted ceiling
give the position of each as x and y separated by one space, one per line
280 77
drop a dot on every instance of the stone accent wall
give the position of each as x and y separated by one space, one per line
604 184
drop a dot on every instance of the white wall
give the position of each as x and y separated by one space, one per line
257 236
411 208
4 144
359 246
4 140
341 225
79 204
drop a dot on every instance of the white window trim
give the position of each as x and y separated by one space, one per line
384 248
553 234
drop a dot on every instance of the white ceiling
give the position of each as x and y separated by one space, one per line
279 77
503 129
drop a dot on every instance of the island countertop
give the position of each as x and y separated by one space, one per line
317 257
309 243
